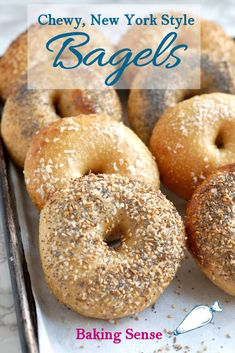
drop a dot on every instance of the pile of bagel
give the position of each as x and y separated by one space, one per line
110 241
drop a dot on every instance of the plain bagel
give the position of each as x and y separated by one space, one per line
193 139
73 147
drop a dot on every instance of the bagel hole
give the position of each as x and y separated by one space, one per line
194 92
94 171
219 141
56 104
114 244
1 105
114 238
191 93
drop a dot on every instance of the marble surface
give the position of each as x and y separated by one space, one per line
223 12
9 337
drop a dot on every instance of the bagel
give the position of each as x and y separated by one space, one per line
216 41
72 147
193 139
145 106
213 40
26 111
15 61
210 220
83 271
138 38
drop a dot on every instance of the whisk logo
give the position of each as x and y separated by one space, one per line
199 316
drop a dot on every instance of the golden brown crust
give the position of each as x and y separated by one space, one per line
193 139
72 147
27 111
210 218
90 277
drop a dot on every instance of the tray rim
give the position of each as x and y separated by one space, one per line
20 279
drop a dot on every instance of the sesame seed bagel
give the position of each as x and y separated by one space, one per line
72 147
145 106
88 275
210 226
26 111
15 61
193 139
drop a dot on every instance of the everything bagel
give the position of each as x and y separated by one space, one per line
210 221
88 275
